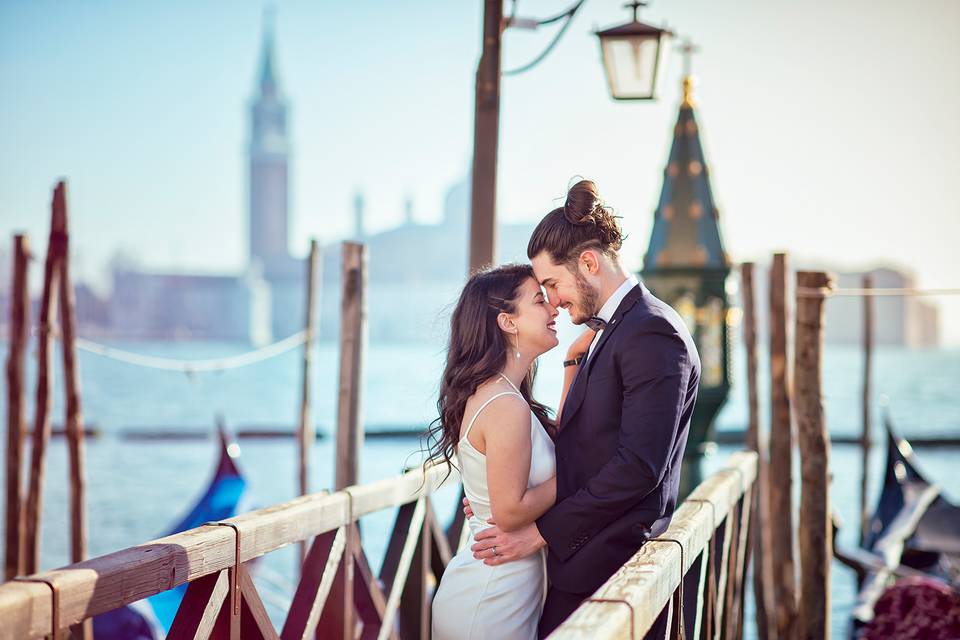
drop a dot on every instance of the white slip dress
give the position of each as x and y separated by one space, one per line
475 601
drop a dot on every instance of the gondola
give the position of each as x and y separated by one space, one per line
914 532
150 619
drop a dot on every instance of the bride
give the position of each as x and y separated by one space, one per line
498 435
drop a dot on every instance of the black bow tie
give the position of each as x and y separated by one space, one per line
595 323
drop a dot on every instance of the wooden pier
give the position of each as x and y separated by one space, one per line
339 596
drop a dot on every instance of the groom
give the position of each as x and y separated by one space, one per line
624 424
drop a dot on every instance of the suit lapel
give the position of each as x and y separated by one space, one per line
578 388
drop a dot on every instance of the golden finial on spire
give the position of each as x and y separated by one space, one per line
688 49
688 91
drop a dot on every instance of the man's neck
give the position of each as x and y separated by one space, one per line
610 283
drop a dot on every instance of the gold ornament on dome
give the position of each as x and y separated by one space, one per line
696 210
672 170
695 168
662 259
691 127
700 255
667 212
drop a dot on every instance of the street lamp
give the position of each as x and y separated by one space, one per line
634 54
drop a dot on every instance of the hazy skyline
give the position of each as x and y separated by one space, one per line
830 128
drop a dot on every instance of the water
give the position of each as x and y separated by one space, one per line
137 489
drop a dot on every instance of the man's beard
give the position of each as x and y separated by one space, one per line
589 299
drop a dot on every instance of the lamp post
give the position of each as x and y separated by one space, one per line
634 53
486 134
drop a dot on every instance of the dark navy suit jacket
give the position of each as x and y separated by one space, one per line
622 434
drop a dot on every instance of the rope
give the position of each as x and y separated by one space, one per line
827 292
194 366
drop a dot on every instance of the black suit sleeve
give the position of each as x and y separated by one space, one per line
655 370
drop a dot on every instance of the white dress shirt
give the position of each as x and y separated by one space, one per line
610 306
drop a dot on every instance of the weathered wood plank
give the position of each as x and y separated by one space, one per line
200 608
781 455
415 601
816 543
757 441
44 396
353 331
371 603
738 566
401 569
26 610
316 579
723 576
305 427
74 414
113 580
255 622
16 407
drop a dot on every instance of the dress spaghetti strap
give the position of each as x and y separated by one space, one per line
484 406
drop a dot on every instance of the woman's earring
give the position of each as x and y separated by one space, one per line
518 344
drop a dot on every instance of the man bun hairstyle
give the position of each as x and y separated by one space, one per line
583 222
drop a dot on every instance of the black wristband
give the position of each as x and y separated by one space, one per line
574 362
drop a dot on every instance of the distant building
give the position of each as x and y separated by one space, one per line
92 310
180 306
415 271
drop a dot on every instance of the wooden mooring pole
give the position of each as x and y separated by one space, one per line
816 553
353 318
44 398
353 331
16 410
759 534
305 432
865 431
781 455
74 415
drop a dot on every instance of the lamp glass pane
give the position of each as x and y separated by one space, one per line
631 64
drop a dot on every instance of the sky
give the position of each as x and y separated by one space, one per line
830 128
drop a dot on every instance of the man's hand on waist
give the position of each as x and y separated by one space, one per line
494 546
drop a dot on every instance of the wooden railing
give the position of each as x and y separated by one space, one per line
339 596
337 590
700 561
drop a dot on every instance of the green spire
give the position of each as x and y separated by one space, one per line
686 230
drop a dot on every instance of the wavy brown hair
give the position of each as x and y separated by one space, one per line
476 353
